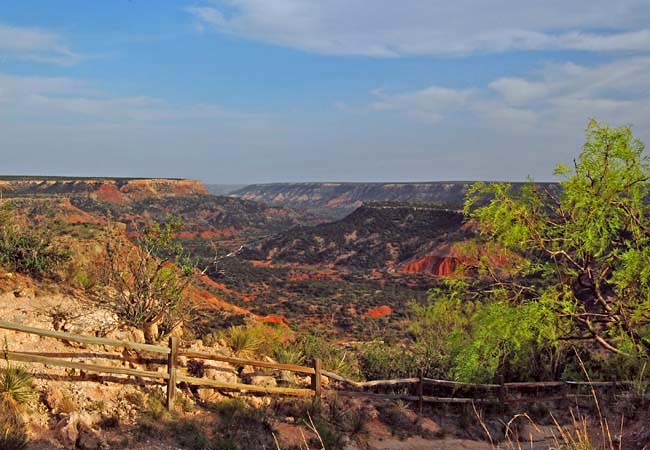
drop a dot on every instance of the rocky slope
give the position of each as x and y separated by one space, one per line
138 201
203 215
375 236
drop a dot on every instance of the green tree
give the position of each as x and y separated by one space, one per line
583 252
146 282
460 335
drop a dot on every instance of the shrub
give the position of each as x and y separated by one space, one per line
332 357
289 355
28 249
146 284
189 435
15 391
241 427
15 387
243 341
380 361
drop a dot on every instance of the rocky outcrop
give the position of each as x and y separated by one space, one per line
444 260
453 259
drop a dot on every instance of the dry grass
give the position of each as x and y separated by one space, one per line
580 434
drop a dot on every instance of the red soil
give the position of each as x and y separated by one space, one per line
201 296
273 319
381 311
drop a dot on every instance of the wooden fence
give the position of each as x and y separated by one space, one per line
492 393
504 393
171 377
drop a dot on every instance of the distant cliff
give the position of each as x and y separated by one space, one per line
113 190
348 196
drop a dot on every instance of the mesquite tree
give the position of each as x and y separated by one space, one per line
146 281
585 251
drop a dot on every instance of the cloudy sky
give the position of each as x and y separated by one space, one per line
243 91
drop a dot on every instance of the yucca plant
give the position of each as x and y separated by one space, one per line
15 391
243 341
15 387
288 355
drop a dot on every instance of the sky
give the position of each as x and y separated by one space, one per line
255 91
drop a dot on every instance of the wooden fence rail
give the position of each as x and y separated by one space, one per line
171 376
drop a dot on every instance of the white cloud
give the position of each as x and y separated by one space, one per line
561 96
430 104
71 99
35 45
436 27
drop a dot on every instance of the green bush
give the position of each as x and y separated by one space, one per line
288 355
190 435
332 357
28 249
381 361
475 341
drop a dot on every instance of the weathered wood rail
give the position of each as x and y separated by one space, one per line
171 377
498 393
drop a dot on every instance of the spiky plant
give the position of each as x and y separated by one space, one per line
288 355
15 387
243 341
15 391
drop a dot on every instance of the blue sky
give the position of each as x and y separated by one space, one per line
243 91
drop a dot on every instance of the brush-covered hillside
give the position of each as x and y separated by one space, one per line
376 236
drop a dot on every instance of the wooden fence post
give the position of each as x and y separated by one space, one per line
502 392
316 378
420 391
171 370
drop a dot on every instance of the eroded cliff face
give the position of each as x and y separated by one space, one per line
436 265
349 196
455 259
339 199
112 190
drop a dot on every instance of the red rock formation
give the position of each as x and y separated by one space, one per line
448 260
436 265
109 193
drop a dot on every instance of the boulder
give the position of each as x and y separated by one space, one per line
263 380
208 395
222 375
67 430
89 438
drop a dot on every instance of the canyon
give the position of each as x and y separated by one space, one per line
319 254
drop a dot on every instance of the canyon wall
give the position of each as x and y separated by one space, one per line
117 190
